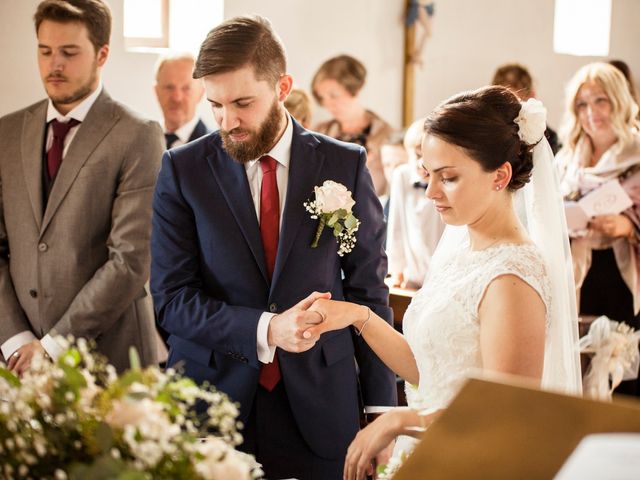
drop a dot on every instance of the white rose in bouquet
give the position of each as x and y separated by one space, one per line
221 462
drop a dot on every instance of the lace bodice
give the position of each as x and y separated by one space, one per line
441 323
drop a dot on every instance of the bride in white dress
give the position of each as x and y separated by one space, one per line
498 296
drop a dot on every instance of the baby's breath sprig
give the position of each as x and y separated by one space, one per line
343 222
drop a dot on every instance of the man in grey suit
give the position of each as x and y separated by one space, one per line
77 172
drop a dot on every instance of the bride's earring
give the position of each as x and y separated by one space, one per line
498 187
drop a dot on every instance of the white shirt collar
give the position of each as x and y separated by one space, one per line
281 151
184 132
79 112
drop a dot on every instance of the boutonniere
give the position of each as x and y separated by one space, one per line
332 207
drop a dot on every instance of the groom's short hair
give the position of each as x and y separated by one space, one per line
242 41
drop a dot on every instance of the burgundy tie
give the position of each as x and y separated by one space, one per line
269 231
54 155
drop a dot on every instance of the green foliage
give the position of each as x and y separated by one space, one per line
9 377
134 359
350 222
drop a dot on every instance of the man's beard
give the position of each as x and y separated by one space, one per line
81 93
259 142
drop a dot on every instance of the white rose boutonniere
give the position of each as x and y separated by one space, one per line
332 207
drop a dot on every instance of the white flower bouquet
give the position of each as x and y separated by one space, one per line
333 207
77 419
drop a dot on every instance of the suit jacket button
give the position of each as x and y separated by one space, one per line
43 247
273 308
33 293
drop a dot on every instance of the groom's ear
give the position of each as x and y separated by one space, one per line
284 86
502 176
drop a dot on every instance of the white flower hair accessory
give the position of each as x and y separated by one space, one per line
531 121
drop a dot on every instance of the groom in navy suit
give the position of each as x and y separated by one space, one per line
233 271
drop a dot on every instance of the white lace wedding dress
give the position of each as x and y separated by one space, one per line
441 323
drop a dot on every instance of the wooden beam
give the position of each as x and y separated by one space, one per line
408 83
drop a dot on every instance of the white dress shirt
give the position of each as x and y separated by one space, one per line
281 152
184 132
53 349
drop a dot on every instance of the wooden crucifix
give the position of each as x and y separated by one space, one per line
408 83
420 13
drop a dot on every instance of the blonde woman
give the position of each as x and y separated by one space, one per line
601 139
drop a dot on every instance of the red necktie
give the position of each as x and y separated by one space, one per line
269 231
54 155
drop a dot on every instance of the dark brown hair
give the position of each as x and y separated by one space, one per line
93 14
516 77
242 41
482 123
344 69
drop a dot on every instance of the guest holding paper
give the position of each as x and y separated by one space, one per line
602 143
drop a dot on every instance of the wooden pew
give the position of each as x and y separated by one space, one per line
399 299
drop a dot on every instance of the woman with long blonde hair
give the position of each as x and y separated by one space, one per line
602 143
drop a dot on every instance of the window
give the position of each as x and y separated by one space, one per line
146 24
179 25
582 27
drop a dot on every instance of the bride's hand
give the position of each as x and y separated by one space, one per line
369 442
335 316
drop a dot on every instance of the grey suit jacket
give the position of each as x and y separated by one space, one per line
80 265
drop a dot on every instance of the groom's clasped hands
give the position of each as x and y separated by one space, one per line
299 328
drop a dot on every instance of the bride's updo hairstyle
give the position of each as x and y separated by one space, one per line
481 122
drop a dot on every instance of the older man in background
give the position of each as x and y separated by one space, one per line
179 94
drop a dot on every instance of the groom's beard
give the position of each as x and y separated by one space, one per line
259 142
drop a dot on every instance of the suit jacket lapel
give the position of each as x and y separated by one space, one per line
98 122
304 171
32 150
200 130
232 179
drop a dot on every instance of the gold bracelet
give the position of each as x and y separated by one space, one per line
359 332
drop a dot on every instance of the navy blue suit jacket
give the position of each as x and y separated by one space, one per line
200 130
210 284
